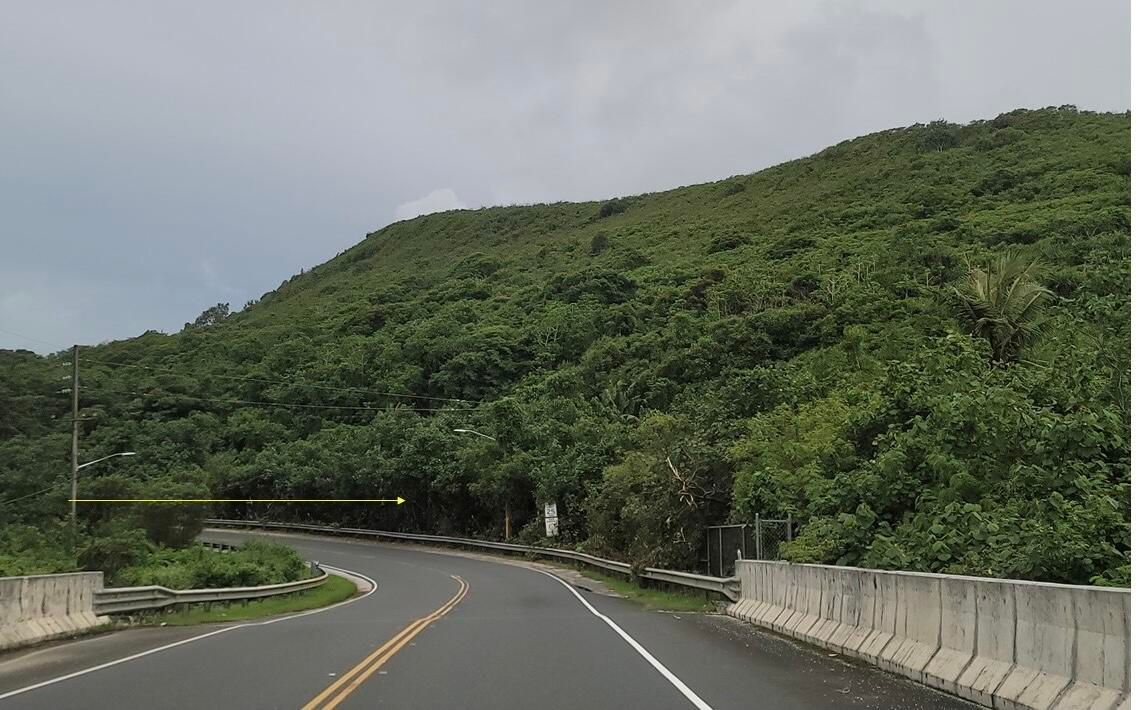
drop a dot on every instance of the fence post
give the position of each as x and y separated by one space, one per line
720 560
708 540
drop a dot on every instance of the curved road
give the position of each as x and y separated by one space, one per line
451 631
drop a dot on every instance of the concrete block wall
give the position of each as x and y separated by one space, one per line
41 607
1001 643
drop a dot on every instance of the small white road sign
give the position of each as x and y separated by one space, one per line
551 520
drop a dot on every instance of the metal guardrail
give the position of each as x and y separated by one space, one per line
128 600
728 587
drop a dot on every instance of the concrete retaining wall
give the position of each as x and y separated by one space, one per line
1001 643
47 606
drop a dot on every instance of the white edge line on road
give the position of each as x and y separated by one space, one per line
660 667
108 664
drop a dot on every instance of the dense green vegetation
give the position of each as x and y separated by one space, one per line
129 558
915 343
253 564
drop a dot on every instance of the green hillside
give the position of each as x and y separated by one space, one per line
915 344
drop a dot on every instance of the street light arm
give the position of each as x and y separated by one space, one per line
476 433
121 453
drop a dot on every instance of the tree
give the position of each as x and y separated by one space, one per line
940 135
1004 304
169 524
211 316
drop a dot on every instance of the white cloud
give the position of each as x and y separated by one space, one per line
435 201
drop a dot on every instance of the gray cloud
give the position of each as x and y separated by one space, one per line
158 158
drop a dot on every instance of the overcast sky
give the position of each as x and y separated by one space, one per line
160 157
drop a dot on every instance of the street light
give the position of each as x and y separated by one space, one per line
75 476
487 436
121 453
476 433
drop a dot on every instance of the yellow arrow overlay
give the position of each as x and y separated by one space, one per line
399 500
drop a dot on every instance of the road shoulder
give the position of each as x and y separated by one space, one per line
49 662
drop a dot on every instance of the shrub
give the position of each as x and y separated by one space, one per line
27 550
604 286
599 244
254 564
113 550
727 242
734 187
612 207
476 265
995 183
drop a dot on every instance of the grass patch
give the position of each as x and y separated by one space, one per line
658 599
336 589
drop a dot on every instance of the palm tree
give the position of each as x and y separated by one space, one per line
1004 304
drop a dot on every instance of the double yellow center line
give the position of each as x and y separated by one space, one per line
335 694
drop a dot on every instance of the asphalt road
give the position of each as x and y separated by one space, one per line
452 631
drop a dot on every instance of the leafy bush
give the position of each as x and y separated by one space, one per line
113 549
25 549
255 563
601 285
611 207
476 265
599 243
995 183
727 242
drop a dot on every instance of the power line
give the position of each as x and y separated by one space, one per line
354 390
32 495
34 340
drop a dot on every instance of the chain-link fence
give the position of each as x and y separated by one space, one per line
769 535
761 541
725 544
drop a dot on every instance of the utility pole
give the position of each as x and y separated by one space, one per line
74 433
